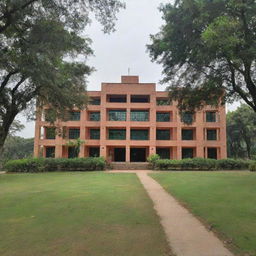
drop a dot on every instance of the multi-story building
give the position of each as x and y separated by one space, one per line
128 121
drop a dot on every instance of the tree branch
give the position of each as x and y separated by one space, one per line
6 79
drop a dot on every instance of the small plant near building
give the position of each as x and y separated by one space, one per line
252 166
152 160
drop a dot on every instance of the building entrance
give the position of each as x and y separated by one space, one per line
138 154
119 154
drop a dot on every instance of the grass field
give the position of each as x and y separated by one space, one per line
226 200
77 214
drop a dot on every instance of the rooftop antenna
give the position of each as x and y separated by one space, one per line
128 71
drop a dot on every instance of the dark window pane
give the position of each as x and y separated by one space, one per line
50 152
117 98
50 133
163 134
187 117
187 134
94 134
140 98
117 115
72 152
210 116
74 116
138 116
164 153
162 117
94 116
74 133
211 134
117 134
187 153
94 152
212 153
94 101
139 134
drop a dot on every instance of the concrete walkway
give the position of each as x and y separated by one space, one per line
185 234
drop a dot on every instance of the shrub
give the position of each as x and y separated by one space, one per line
55 164
152 160
252 166
232 164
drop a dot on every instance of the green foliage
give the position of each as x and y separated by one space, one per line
208 51
201 164
152 160
232 164
252 166
241 132
43 54
55 164
16 147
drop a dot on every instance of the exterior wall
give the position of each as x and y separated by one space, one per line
130 86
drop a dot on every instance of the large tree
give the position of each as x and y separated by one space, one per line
241 132
208 51
40 42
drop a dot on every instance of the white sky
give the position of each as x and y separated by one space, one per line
126 48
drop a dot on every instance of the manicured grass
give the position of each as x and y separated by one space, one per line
226 200
77 214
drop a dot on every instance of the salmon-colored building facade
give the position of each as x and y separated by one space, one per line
128 121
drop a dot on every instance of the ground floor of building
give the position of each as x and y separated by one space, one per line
132 153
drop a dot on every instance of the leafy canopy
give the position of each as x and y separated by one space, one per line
208 51
43 53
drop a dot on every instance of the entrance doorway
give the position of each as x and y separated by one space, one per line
138 154
119 154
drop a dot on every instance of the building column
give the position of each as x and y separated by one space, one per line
103 151
127 154
179 154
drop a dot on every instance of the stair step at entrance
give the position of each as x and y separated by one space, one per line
130 166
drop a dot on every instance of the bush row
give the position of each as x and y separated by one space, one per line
55 164
200 164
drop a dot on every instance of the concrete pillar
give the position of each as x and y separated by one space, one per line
127 154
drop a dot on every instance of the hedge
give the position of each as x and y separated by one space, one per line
55 164
252 166
201 164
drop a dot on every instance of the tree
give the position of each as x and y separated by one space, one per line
40 42
241 132
208 51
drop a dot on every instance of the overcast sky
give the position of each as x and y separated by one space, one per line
126 48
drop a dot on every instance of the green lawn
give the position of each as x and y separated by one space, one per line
226 200
80 214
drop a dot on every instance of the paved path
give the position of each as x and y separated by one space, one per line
185 234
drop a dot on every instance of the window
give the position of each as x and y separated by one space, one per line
212 153
94 134
140 115
94 152
50 152
162 102
211 116
162 117
211 134
163 135
50 133
74 133
94 101
94 116
116 134
187 153
187 134
187 117
74 115
117 115
164 153
72 152
140 98
49 115
117 98
139 134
